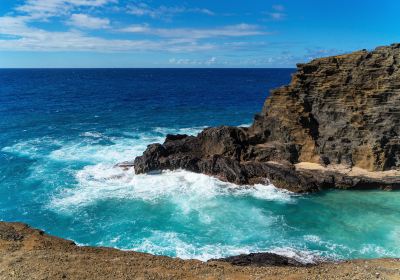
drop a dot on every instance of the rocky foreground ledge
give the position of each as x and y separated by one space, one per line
336 125
27 253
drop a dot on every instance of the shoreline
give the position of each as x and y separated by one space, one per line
26 252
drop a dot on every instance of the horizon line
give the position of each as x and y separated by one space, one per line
158 68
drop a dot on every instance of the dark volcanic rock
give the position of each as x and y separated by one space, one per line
340 114
261 259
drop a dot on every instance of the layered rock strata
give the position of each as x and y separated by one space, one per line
336 125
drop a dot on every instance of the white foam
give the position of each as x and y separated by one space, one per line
186 189
171 243
373 249
184 130
395 236
121 150
303 256
93 134
340 251
34 148
265 192
89 148
174 244
245 125
312 238
330 245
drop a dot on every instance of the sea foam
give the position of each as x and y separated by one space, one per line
102 181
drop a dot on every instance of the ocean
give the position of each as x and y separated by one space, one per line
63 130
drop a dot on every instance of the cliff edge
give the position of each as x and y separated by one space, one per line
28 253
336 125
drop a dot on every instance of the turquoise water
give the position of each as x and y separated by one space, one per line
62 132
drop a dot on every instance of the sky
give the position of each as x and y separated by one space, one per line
207 33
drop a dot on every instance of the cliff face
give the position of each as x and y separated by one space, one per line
342 110
337 124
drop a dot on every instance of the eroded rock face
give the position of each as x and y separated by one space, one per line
342 110
337 111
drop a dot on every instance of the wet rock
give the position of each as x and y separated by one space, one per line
261 259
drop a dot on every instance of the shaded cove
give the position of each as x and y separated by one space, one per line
63 131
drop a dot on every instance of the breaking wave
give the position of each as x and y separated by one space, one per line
186 189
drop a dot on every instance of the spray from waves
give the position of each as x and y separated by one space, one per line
188 190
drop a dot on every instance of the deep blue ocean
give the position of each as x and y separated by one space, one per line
62 132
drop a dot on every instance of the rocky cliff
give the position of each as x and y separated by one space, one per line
337 124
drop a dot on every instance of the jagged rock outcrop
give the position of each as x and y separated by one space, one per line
337 124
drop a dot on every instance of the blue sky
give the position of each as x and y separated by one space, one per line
207 33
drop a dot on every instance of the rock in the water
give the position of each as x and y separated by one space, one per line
337 124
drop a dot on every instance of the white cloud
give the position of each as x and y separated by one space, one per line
312 53
238 30
202 11
163 12
288 58
277 13
86 21
17 33
280 8
21 37
212 60
188 61
277 16
142 9
44 9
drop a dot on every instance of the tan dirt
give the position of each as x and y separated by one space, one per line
349 171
